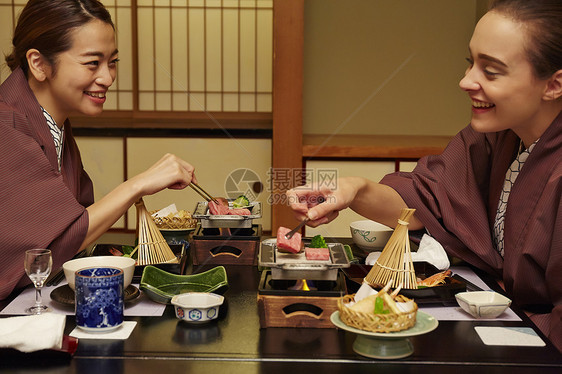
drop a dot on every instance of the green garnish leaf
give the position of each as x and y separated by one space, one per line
318 242
127 250
241 201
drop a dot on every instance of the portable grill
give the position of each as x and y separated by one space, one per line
208 220
296 266
296 292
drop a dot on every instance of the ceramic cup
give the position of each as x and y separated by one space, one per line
99 298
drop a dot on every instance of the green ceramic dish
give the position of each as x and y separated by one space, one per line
161 286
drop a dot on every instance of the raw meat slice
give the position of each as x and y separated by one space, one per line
292 245
218 209
224 210
239 212
317 254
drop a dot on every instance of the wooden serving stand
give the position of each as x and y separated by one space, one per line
296 311
225 249
298 308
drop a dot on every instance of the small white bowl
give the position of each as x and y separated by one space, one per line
483 304
197 306
370 235
127 264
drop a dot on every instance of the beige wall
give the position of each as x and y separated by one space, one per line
386 67
214 159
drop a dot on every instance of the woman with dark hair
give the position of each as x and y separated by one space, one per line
492 198
63 61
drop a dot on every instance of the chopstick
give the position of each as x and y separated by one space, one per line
469 285
204 194
55 279
290 234
59 275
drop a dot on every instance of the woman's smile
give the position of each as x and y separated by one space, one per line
481 107
96 97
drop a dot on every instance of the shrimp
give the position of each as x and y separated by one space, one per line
435 279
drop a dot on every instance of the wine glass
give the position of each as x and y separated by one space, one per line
38 264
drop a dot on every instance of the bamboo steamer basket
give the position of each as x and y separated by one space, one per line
383 323
184 221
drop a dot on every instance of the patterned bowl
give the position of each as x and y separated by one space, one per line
197 307
370 235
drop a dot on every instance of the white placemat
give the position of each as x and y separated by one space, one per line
518 336
141 306
120 333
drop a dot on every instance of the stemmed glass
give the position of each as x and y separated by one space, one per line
38 264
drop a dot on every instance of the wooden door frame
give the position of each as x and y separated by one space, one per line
287 147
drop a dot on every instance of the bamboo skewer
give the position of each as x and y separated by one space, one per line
395 262
152 248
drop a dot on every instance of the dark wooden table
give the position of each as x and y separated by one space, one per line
236 344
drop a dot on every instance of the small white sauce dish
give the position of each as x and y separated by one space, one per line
197 307
483 304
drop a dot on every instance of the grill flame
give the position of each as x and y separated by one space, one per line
300 285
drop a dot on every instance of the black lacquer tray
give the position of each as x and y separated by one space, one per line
442 294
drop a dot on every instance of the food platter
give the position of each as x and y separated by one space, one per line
209 220
391 345
441 294
296 266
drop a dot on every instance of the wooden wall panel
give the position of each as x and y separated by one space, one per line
288 26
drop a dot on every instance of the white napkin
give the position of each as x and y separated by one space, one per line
429 251
164 212
364 291
32 333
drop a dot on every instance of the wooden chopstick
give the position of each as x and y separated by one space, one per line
204 194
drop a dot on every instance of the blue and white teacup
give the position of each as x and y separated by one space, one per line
99 298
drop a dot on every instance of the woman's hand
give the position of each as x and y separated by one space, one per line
169 172
322 205
371 200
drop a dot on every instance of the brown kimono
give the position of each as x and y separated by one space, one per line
456 195
40 207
